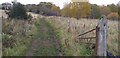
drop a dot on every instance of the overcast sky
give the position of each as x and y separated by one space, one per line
60 3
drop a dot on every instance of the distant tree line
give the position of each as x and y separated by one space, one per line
76 10
87 10
44 8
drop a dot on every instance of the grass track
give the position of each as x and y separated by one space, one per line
45 42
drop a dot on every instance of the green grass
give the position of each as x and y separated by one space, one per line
19 48
45 34
43 51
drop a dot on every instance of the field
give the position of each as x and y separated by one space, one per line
51 35
83 25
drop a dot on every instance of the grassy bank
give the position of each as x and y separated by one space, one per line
17 36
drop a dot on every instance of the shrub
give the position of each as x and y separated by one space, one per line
18 11
113 16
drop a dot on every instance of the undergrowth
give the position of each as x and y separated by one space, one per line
17 39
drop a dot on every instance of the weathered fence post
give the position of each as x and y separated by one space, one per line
1 18
101 35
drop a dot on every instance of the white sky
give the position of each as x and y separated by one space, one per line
60 3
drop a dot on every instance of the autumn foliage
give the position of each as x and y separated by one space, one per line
113 16
77 10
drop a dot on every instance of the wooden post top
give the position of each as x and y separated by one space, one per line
103 23
102 36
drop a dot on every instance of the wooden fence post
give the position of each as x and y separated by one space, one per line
101 37
1 18
96 46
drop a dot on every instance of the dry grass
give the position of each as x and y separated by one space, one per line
82 25
79 27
